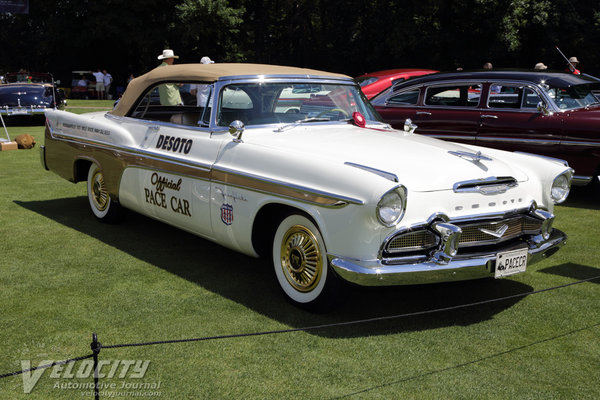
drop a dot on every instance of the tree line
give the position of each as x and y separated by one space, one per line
351 36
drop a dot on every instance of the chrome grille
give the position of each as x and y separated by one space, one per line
412 241
474 233
486 232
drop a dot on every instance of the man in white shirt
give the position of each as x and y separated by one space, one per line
99 84
202 92
107 82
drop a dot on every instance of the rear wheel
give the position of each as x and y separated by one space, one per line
103 207
301 265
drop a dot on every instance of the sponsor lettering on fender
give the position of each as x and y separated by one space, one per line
157 196
174 144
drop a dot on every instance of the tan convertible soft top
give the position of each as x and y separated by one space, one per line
205 73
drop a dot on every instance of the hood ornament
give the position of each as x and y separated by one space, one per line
475 157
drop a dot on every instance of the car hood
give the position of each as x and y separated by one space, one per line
420 163
13 94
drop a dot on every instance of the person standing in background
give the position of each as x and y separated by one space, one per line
169 92
572 66
107 82
202 92
99 84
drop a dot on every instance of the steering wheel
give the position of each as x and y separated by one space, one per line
332 110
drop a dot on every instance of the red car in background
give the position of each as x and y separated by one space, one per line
376 82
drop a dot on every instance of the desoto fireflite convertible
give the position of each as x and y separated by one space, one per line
327 191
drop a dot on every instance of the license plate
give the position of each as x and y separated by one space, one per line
17 112
511 262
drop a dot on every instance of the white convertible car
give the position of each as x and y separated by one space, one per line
327 191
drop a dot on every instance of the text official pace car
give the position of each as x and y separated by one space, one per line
295 164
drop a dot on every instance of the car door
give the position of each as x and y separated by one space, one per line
450 112
443 110
396 107
510 121
168 171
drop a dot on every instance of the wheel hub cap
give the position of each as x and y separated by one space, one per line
301 258
99 192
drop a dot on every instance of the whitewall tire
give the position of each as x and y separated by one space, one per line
301 266
101 204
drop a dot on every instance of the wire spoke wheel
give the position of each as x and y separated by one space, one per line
103 207
301 258
99 193
301 266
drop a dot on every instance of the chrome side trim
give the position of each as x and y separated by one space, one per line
128 150
221 174
273 186
376 273
579 143
512 140
43 157
286 78
580 180
558 160
384 174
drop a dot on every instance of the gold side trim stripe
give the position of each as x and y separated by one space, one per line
278 188
131 158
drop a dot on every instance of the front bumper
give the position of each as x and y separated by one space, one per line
14 111
376 273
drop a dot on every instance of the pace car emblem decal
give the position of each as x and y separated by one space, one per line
227 213
497 233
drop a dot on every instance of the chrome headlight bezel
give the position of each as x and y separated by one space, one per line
392 206
561 187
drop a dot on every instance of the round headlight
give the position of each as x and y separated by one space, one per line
561 187
391 207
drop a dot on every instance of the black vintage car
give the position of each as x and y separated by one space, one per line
27 94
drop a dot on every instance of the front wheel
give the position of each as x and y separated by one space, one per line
103 207
301 265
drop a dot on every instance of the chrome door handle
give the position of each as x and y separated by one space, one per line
427 113
489 116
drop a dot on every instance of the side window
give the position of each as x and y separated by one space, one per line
410 97
172 102
234 104
453 95
512 96
531 99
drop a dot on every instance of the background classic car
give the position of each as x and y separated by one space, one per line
374 83
329 193
500 109
29 94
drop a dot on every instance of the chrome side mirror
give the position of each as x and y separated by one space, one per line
409 127
541 107
236 128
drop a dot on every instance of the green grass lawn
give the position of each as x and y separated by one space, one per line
63 275
82 106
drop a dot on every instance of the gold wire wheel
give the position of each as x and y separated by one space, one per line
301 258
99 193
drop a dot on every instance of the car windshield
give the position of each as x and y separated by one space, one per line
573 97
274 103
